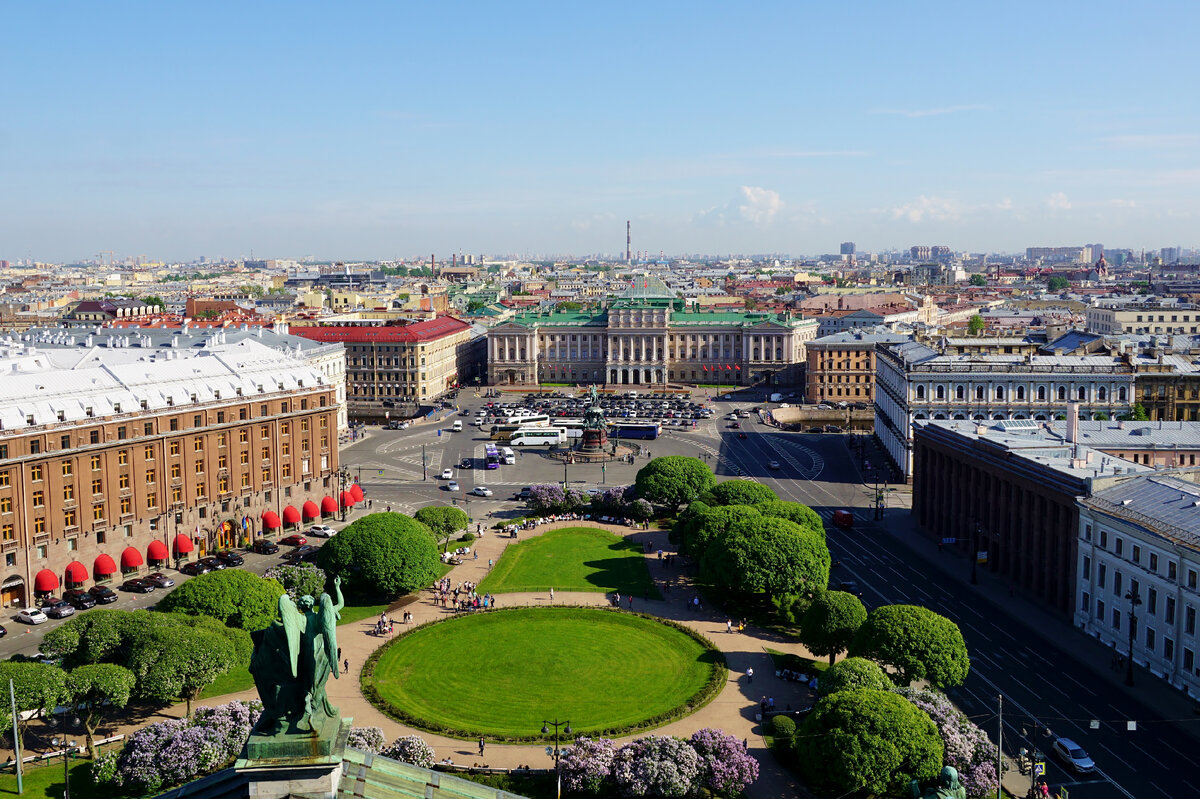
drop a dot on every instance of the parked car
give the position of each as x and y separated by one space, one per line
301 553
58 608
3 632
32 616
452 486
103 594
195 568
264 547
481 491
321 531
230 558
1073 755
843 519
293 540
466 464
447 474
213 563
138 585
773 465
81 599
160 580
741 435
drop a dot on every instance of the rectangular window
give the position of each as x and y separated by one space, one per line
98 513
1117 582
5 504
1101 574
35 472
150 475
1087 568
69 518
148 427
123 458
95 463
221 440
197 444
64 442
175 470
68 492
1150 642
245 480
123 481
1137 554
174 448
8 532
126 506
39 527
264 431
1085 602
1104 539
1191 581
5 479
266 453
148 452
1189 620
1172 571
1169 616
174 424
1120 545
287 470
1154 563
1152 602
199 490
197 420
176 494
39 499
121 434
266 475
1168 648
245 458
1116 619
243 435
222 462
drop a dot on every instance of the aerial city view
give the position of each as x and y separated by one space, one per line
484 401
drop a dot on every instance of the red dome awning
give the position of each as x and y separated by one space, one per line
76 572
131 558
356 492
291 515
328 505
104 566
183 544
311 511
346 499
157 551
270 519
45 581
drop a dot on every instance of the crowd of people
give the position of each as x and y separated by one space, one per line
461 597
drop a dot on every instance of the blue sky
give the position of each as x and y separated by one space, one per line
381 130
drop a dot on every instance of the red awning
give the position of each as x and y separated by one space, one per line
291 515
328 505
131 558
104 566
157 551
45 581
183 544
311 511
270 520
356 492
346 499
76 572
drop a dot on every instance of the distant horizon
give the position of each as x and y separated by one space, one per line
382 128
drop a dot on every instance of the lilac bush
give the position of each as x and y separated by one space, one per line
611 501
546 498
639 510
967 746
656 766
726 768
366 739
587 766
410 749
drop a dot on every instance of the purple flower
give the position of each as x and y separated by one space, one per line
968 748
726 767
587 766
656 766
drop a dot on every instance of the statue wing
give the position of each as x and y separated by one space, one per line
328 629
293 627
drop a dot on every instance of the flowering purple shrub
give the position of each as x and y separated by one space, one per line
366 739
656 766
410 749
967 746
546 498
587 766
611 501
726 768
639 510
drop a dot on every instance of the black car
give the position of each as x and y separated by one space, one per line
58 608
103 594
300 553
230 558
138 586
82 600
3 632
194 568
265 547
213 563
466 464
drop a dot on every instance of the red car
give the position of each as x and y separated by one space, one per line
294 541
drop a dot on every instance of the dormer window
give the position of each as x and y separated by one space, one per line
116 407
89 411
62 416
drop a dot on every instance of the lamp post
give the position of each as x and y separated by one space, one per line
69 748
564 472
424 464
1135 599
546 725
974 554
343 480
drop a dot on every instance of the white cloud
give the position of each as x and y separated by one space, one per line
759 206
931 209
1058 201
915 113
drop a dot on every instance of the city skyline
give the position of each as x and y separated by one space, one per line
374 131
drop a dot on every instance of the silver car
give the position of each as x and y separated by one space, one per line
1073 755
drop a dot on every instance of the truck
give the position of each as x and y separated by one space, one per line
777 397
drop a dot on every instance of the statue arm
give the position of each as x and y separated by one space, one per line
293 627
337 588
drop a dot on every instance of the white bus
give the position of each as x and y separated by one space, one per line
533 436
574 427
508 456
502 432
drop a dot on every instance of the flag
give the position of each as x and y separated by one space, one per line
727 367
736 366
704 367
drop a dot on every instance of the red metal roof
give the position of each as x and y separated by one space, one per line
428 330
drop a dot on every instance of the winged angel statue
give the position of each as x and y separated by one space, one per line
293 659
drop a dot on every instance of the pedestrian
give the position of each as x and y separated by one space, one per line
631 601
742 626
346 666
339 654
477 554
551 594
750 674
770 703
762 706
729 625
481 747
489 564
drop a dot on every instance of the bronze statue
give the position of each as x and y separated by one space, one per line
945 786
292 661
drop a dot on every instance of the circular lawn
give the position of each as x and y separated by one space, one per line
501 673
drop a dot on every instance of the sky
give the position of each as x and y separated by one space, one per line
363 130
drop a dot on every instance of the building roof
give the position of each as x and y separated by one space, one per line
864 336
428 330
1133 435
1161 505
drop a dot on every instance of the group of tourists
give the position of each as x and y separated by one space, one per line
461 597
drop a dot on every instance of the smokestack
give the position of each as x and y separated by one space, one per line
628 242
1073 422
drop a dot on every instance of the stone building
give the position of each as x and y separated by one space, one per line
841 367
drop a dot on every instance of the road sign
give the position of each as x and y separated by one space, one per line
1039 768
949 540
381 472
981 556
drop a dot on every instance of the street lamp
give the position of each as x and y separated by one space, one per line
546 725
69 748
343 480
1135 599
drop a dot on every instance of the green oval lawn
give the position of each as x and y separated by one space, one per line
503 673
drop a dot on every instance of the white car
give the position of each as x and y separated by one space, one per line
32 616
481 491
452 486
447 474
321 531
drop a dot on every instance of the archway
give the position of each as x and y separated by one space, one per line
12 592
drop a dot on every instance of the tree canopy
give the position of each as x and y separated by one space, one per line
382 555
978 280
38 688
698 529
443 521
829 624
98 688
298 579
794 512
976 324
741 492
180 662
674 480
916 642
852 673
234 597
867 742
766 555
1057 283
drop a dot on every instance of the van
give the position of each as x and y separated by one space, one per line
843 519
776 398
508 456
457 426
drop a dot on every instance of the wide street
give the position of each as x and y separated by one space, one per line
1051 676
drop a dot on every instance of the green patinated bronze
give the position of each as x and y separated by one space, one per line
945 786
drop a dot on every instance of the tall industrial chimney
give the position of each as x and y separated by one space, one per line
628 242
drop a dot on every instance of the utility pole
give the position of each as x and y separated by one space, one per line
999 743
424 464
12 695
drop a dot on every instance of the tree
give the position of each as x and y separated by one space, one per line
918 643
968 748
742 492
867 742
656 766
98 636
1057 283
38 688
475 306
766 555
796 512
853 673
443 521
701 529
976 325
232 596
829 624
298 579
1137 414
586 766
95 689
153 300
180 662
674 480
726 768
568 306
1100 416
382 555
978 280
410 749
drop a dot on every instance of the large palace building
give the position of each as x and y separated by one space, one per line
118 460
647 337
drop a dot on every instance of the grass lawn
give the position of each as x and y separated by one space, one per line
45 781
572 559
786 660
353 613
502 673
231 682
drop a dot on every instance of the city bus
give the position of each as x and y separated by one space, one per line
534 436
502 432
636 430
491 457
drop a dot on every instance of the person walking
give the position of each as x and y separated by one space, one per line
551 594
346 666
729 625
489 564
750 674
481 747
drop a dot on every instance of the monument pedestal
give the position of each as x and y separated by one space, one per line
295 763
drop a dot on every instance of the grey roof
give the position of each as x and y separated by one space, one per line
1134 435
1071 341
914 352
1162 505
862 336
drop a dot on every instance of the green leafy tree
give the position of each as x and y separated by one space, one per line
98 636
978 280
153 300
443 521
38 688
475 306
674 480
1100 416
867 743
916 642
702 529
976 325
853 673
1057 283
829 624
235 597
97 689
568 306
298 579
742 492
382 555
1138 414
765 555
180 662
796 512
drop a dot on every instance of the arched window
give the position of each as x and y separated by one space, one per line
1082 392
939 416
921 392
978 392
1041 417
1019 416
960 416
918 416
979 417
1062 393
1020 392
941 392
999 416
1042 393
999 392
1102 393
960 393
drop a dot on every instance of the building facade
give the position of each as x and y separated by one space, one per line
841 367
1115 317
121 458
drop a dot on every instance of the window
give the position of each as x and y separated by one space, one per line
245 458
68 492
35 446
199 490
1152 602
1137 554
1150 639
1085 602
262 410
3 450
7 532
121 433
324 442
97 513
5 504
1101 574
264 431
1117 580
1062 393
123 458
1169 615
95 463
197 420
1104 539
1116 619
221 440
176 494
1189 659
1191 581
287 470
197 444
174 448
199 467
150 475
175 470
39 499
303 426
920 392
148 427
222 462
1120 545
243 435
69 518
126 506
1168 648
35 472
266 475
123 481
149 453
223 485
245 480
999 392
64 442
1172 571
5 480
1189 620
174 424
1154 563
284 428
1087 568
266 453
41 550
39 527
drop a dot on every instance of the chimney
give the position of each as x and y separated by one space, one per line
1073 422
